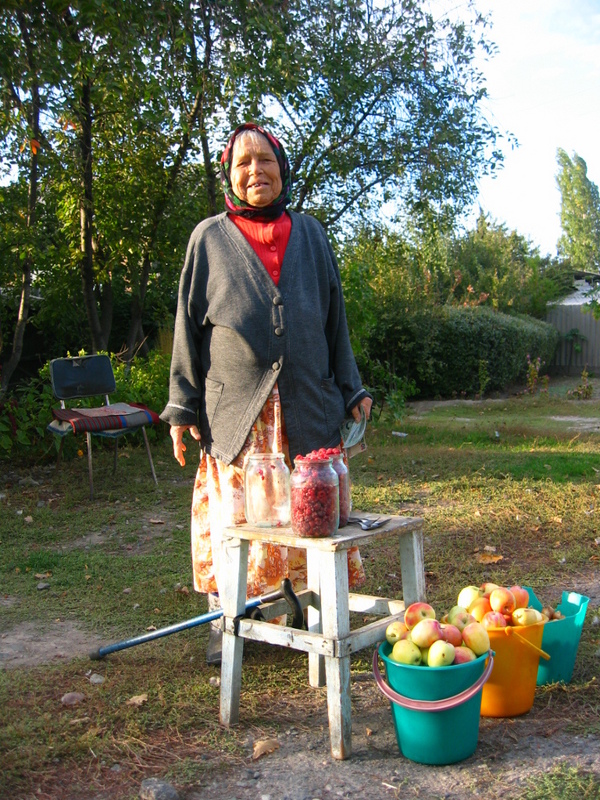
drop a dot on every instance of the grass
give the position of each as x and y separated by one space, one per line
509 492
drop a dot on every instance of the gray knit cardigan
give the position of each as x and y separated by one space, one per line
236 334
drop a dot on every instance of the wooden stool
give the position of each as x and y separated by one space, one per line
328 641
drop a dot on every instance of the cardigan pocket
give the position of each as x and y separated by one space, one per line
213 391
333 405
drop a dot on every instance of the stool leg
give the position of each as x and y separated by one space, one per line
412 567
232 591
316 663
335 620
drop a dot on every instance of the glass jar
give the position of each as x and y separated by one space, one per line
315 497
267 490
343 474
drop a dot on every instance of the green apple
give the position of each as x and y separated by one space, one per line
441 654
477 638
406 652
468 595
395 631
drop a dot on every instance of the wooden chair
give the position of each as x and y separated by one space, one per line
87 377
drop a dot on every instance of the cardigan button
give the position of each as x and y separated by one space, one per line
275 366
277 301
278 331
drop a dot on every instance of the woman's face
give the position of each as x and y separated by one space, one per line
255 175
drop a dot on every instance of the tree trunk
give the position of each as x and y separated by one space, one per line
10 366
86 208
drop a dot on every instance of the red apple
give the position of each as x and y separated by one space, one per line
493 619
426 632
459 617
416 612
452 634
463 654
502 600
521 596
441 654
479 608
476 637
488 588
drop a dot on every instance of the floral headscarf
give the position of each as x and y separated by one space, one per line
240 207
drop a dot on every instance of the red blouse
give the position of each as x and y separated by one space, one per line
267 239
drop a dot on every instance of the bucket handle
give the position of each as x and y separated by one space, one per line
432 705
522 639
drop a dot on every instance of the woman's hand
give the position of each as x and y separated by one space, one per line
365 404
179 448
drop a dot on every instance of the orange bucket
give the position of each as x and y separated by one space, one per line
510 689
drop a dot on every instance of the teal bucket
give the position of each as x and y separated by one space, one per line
561 637
435 710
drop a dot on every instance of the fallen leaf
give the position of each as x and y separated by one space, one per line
79 720
72 698
137 700
369 732
183 590
489 548
157 522
486 558
29 519
263 747
558 520
477 514
151 628
41 575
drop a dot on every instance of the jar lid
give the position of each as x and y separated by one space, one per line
352 431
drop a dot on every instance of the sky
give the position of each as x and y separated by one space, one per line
544 88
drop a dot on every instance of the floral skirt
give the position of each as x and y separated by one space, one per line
218 503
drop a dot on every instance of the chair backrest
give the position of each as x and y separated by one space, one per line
84 376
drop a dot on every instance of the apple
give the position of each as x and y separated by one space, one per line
452 634
441 654
521 596
479 608
426 632
395 631
526 616
424 654
476 637
493 619
406 652
416 612
488 588
459 617
463 654
467 595
502 600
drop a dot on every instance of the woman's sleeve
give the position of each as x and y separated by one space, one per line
185 385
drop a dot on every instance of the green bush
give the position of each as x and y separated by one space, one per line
26 412
446 350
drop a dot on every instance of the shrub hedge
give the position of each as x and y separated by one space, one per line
451 351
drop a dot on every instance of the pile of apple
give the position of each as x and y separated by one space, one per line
462 634
423 640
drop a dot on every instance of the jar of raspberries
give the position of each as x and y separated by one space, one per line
314 489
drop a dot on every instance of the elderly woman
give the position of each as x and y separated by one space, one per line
262 360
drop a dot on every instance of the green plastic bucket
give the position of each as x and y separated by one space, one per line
435 709
561 637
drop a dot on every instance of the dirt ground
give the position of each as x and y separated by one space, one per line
511 756
511 753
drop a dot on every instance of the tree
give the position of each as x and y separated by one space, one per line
579 214
373 101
